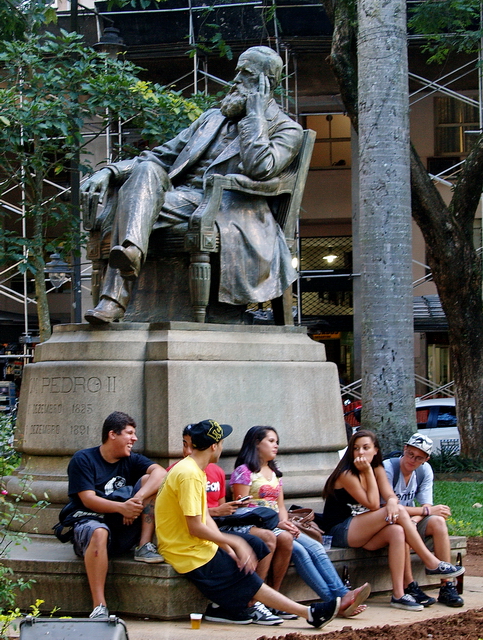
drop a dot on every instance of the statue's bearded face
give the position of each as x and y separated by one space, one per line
249 68
234 103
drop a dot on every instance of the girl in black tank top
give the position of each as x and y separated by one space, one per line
353 500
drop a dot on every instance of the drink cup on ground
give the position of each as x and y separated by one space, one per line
196 620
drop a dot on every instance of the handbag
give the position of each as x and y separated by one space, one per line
303 519
262 517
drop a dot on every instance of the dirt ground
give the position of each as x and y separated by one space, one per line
462 626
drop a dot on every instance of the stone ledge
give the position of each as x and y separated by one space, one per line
157 591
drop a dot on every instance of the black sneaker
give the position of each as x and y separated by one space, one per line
285 615
449 596
323 612
413 589
214 613
260 614
445 570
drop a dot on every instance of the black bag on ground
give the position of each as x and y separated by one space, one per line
262 517
112 628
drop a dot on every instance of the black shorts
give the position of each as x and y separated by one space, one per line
222 582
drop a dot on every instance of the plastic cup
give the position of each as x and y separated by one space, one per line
196 620
327 542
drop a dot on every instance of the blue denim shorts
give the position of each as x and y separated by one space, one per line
340 532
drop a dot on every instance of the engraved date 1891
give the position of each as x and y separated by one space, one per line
79 430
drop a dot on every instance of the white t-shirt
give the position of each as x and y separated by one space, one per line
408 493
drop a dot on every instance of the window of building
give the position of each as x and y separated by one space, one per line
453 118
332 147
330 295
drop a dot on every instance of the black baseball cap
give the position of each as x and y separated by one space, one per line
207 432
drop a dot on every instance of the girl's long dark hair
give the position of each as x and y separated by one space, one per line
249 453
347 461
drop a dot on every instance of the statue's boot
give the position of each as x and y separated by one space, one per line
107 310
127 259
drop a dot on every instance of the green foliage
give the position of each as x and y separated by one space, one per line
9 458
20 16
448 461
209 44
12 520
466 520
448 26
52 86
7 620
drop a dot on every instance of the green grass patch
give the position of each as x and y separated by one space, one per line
465 520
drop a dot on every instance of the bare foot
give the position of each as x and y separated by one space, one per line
356 612
353 599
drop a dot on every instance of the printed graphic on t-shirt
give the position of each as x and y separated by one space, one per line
268 493
212 486
113 484
406 498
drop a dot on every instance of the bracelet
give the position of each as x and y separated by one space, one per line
425 511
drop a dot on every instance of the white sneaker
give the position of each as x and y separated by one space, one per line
261 615
101 611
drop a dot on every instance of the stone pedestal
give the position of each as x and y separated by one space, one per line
169 375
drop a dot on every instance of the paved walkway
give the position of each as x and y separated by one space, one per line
378 613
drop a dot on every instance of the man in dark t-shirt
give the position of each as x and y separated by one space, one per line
119 487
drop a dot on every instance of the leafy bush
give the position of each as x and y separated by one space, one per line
9 458
448 461
9 514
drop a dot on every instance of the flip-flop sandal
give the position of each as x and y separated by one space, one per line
358 600
360 609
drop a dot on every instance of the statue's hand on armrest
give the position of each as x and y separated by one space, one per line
93 191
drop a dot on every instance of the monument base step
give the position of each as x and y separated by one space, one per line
138 589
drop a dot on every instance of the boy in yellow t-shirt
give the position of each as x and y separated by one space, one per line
221 565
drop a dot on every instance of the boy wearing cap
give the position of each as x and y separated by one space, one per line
221 565
412 479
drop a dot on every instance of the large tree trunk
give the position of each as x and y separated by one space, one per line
385 223
456 268
448 233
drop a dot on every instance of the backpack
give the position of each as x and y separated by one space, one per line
69 515
73 513
396 470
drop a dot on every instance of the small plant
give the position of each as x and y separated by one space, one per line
7 620
10 514
447 460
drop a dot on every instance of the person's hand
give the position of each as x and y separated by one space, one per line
225 509
392 511
257 100
440 510
93 191
362 464
243 554
289 526
130 510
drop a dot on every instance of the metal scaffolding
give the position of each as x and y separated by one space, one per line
198 78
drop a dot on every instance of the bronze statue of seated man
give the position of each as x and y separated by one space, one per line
161 188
